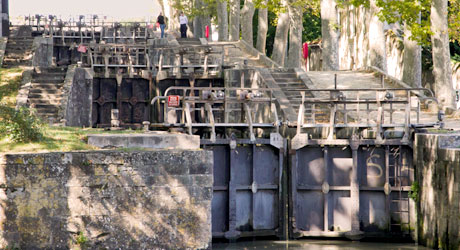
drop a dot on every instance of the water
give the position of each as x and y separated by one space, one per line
316 245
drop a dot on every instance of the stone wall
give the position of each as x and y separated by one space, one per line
106 200
437 159
3 42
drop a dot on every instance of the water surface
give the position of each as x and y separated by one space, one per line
316 245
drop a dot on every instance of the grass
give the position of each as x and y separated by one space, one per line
10 82
54 138
61 139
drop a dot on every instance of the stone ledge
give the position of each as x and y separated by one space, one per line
146 140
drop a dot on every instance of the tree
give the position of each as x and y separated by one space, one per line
222 19
234 20
330 34
198 21
295 34
262 27
377 55
442 68
247 14
412 62
281 35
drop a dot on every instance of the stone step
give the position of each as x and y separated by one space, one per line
40 101
20 38
15 62
62 70
47 107
46 86
48 80
45 91
284 75
48 76
41 95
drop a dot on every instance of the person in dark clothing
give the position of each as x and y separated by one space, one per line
183 25
161 21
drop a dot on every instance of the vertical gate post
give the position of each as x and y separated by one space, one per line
325 188
354 192
232 232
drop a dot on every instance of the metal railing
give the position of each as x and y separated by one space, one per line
211 107
361 108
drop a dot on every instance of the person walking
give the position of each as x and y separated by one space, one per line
161 21
183 25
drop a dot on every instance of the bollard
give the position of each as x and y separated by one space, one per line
115 119
146 125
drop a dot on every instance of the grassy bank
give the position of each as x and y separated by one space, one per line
10 82
57 139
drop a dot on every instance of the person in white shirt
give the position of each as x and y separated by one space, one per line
183 25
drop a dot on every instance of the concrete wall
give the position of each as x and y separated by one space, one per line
106 200
77 106
437 158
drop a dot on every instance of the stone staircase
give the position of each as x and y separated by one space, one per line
188 41
18 52
45 94
291 85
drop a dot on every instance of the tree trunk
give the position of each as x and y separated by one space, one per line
377 55
234 20
198 21
262 28
281 37
295 37
222 19
412 62
171 15
330 34
247 14
442 69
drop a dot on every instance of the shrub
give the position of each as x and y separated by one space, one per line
19 125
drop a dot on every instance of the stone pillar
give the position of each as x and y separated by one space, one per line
43 56
79 106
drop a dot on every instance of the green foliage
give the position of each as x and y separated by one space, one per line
414 191
13 247
191 9
81 240
311 25
19 125
454 20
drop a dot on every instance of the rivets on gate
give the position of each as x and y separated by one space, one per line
325 187
254 187
232 144
387 188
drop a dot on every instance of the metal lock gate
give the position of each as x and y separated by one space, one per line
248 194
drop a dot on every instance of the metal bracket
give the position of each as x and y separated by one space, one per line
254 187
275 114
249 117
301 116
211 121
299 141
276 140
188 118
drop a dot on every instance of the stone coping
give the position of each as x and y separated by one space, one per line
149 140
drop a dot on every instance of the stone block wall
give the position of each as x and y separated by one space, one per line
3 42
437 158
106 200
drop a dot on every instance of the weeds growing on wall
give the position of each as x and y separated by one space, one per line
19 125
